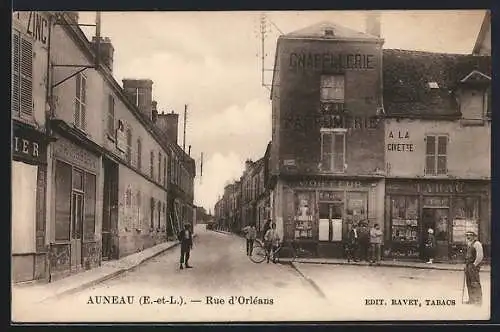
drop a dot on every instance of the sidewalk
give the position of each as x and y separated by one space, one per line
109 269
389 263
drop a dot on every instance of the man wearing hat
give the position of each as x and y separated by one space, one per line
185 237
473 259
430 246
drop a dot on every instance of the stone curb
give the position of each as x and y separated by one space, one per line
112 275
421 267
309 280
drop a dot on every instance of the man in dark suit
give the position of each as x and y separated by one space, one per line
364 241
185 237
352 243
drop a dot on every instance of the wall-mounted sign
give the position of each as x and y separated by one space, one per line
400 142
28 146
332 61
121 137
341 184
35 25
428 187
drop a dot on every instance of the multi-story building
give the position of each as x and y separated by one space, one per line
438 143
30 86
327 152
106 166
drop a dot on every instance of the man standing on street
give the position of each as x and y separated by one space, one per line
364 242
272 241
352 244
376 244
251 235
185 236
473 259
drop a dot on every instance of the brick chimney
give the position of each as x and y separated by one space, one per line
248 165
372 25
140 93
106 51
72 15
169 124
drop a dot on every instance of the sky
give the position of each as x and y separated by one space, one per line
211 61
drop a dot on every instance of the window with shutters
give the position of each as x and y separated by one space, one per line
152 164
129 145
80 101
436 147
159 167
139 154
22 77
111 117
333 150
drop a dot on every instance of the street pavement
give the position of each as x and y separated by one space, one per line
157 291
221 270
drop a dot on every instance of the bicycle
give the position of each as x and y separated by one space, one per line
289 251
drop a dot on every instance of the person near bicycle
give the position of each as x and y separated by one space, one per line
267 226
272 241
250 234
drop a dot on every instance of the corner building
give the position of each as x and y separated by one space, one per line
327 151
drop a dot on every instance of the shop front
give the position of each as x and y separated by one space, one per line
448 207
75 245
319 213
29 178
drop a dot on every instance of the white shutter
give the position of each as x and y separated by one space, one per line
83 110
15 74
26 78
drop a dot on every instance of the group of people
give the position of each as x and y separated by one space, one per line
364 243
270 236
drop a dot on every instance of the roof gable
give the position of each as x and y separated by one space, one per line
329 30
475 76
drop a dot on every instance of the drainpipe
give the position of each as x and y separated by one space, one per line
49 90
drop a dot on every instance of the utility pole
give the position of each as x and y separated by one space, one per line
262 37
184 135
201 167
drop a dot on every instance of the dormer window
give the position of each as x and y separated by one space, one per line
475 98
433 85
329 33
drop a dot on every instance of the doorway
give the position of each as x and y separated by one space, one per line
76 228
110 211
437 220
330 221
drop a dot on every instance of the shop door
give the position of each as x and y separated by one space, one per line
437 220
330 221
110 211
76 229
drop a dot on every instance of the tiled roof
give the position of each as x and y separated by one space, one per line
339 32
407 74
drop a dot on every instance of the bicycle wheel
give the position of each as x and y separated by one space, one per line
258 253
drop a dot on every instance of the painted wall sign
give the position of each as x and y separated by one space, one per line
332 61
302 123
428 187
28 146
342 184
36 25
121 137
75 155
401 144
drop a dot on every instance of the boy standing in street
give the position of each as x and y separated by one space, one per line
250 235
272 240
376 244
185 237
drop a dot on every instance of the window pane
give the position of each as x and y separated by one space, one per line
89 219
431 145
83 116
441 166
63 203
398 207
84 89
441 225
442 140
430 167
78 86
26 96
338 162
77 180
339 143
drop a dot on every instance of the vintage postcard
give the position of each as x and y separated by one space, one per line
251 166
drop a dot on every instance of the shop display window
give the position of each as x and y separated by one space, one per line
465 218
304 212
356 207
404 219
